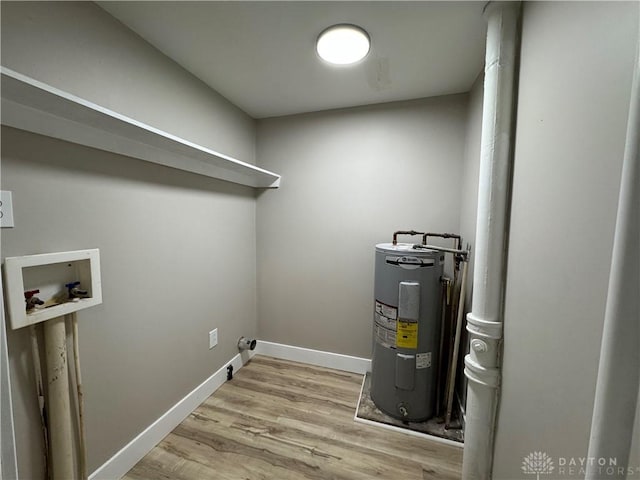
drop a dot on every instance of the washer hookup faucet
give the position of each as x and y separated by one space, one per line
75 291
31 300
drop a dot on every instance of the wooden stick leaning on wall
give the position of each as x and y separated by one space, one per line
37 371
81 432
456 345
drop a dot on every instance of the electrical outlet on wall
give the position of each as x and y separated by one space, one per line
213 338
6 209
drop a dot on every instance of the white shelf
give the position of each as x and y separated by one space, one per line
49 272
28 104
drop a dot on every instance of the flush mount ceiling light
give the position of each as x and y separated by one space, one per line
343 44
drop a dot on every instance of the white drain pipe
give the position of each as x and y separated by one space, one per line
55 336
484 323
619 370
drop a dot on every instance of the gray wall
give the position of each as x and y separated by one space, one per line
351 178
165 236
573 101
79 48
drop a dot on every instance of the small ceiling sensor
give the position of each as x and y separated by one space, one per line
343 44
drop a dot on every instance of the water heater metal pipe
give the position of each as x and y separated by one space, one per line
484 323
619 370
441 249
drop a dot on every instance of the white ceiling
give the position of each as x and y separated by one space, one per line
261 55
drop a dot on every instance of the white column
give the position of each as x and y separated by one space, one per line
59 404
484 323
619 370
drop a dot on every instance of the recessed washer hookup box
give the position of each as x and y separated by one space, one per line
49 273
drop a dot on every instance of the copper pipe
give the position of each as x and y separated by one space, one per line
404 232
458 238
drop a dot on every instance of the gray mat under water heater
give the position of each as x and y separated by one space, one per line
367 410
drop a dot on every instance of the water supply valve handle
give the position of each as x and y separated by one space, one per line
74 291
31 300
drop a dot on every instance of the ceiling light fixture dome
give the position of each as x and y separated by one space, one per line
343 44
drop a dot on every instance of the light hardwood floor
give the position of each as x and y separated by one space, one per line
280 420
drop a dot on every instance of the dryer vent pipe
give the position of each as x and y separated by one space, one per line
247 343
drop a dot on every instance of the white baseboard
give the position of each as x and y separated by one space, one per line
319 358
123 461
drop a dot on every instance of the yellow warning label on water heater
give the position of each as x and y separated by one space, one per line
407 335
